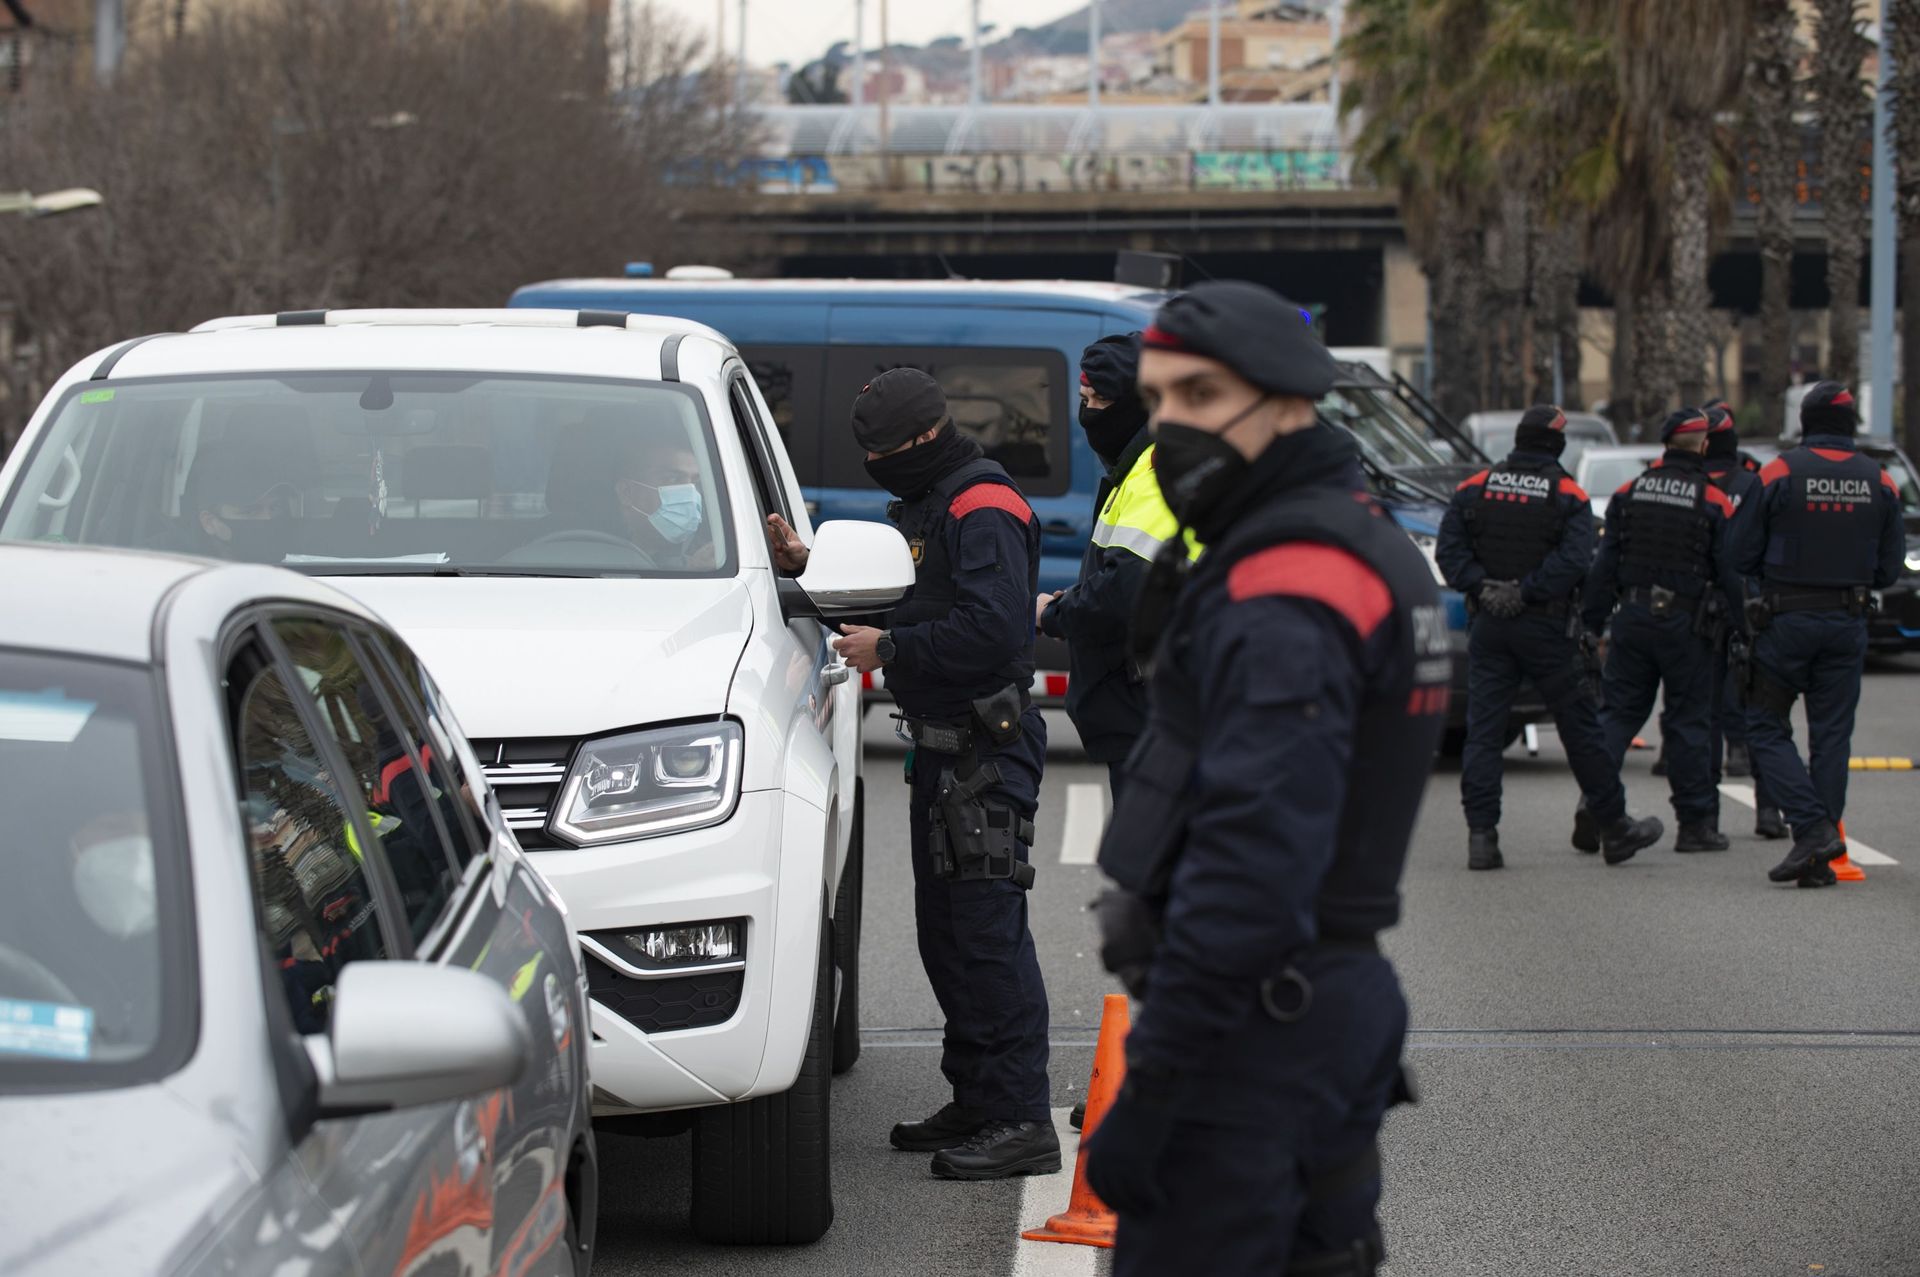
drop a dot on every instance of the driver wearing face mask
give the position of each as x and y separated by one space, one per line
240 508
662 506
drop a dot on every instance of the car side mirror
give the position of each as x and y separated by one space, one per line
413 1033
853 569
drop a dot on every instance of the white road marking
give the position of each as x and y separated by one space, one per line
1086 816
1858 852
1044 1196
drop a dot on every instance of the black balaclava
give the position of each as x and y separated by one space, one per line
909 473
1723 441
1829 409
1111 366
1542 430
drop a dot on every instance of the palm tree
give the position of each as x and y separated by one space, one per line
1776 148
1901 38
1845 116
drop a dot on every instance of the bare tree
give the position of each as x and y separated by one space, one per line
1845 111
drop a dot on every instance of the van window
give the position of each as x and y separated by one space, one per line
1013 402
389 473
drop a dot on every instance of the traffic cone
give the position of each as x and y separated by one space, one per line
1845 870
1087 1221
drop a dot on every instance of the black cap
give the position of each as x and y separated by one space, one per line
1723 440
1683 421
1255 331
899 405
1829 409
1112 367
1544 416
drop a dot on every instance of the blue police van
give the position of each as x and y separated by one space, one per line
1006 353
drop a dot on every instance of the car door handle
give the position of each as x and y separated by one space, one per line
1060 528
835 674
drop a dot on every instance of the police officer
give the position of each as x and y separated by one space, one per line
1516 540
959 661
1662 564
1732 476
1826 533
1106 698
1297 695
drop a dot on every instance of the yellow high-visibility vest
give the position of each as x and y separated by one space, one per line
1135 517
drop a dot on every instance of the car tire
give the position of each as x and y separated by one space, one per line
846 939
762 1169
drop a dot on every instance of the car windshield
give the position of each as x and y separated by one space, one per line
1896 466
1497 442
354 473
1386 437
90 922
1605 472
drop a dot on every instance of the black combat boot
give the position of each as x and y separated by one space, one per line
1739 761
1483 849
1819 876
1768 823
1078 1118
1626 835
951 1127
1815 845
1586 829
1700 835
1000 1150
1660 760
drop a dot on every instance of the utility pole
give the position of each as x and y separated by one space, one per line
886 94
858 94
740 66
1213 53
1884 270
109 38
1093 54
973 57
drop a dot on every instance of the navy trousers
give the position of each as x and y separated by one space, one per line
1645 654
1819 655
1270 1110
978 951
1500 655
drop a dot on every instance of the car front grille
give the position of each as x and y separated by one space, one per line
665 1004
527 775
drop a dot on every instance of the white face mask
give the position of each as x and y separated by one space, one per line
115 883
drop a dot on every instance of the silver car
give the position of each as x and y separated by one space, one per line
278 991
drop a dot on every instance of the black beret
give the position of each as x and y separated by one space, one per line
898 405
1112 367
1255 331
1544 416
1683 421
1829 409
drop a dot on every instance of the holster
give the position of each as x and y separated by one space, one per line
1592 674
1740 665
998 715
973 838
1764 692
1759 612
1710 620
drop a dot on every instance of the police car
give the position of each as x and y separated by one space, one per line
564 513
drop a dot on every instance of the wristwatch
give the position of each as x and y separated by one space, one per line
884 648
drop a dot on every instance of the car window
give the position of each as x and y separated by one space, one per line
769 493
355 473
316 901
1389 439
95 924
1012 402
1604 474
790 379
420 708
1896 467
386 776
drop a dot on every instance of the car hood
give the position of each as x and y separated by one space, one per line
128 1181
520 657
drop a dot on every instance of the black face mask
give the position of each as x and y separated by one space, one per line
1197 468
1111 429
910 472
1547 442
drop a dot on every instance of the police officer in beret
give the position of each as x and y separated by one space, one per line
958 659
1298 691
1516 540
1662 565
1825 533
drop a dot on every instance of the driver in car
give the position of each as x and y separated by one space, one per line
241 510
636 481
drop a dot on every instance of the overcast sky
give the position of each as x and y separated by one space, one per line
798 31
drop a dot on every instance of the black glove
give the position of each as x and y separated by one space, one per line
1128 937
1502 599
1125 1150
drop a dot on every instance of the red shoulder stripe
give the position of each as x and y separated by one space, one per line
1472 481
991 496
1887 479
1834 454
1719 499
1323 573
1623 487
1774 470
1568 488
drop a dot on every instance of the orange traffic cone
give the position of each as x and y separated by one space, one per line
1640 742
1087 1221
1845 870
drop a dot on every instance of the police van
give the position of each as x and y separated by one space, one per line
1007 354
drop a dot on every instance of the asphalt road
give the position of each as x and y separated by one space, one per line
1671 1066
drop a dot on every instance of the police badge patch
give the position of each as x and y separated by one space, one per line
918 547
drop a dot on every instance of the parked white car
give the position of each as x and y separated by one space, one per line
563 513
1602 470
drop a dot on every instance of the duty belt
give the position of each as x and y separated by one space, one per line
1853 599
1558 609
946 737
1659 598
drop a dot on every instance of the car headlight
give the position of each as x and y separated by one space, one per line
1913 560
653 782
1428 547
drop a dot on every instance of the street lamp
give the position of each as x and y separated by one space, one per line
27 204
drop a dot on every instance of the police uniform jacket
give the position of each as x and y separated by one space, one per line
1827 517
1666 527
1523 520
